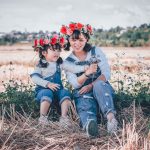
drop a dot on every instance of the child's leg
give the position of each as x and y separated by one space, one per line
65 103
64 107
45 97
44 107
64 99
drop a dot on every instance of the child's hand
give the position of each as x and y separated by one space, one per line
92 69
53 86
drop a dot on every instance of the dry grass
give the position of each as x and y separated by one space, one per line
22 132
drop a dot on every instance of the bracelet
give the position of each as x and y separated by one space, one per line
86 75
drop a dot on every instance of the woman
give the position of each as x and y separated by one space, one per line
90 88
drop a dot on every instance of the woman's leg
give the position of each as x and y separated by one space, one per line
86 109
103 93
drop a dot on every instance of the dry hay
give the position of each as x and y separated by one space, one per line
22 132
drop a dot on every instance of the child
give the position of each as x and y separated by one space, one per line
47 77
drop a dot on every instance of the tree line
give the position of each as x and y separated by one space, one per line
117 36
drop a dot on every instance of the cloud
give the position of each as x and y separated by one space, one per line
50 15
65 8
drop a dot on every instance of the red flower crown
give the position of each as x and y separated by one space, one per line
68 30
50 40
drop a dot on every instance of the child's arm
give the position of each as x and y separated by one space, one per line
37 78
71 67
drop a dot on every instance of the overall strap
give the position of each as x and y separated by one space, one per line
58 67
70 59
93 54
81 63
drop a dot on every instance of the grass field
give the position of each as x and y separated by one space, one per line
18 61
130 68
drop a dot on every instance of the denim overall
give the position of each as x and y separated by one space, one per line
101 94
47 94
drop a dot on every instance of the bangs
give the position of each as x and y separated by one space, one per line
56 47
76 35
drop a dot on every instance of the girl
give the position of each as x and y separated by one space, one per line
47 77
90 88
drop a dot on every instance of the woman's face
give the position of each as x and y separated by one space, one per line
78 44
52 55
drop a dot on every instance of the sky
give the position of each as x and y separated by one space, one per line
35 15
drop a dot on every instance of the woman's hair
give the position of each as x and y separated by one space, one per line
42 62
76 35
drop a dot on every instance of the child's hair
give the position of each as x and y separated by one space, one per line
53 41
42 62
76 35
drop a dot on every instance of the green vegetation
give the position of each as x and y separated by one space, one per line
22 96
118 36
129 37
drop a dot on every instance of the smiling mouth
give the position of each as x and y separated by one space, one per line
78 47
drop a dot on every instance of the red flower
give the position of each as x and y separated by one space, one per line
35 42
89 28
72 26
53 41
63 30
41 42
62 40
79 26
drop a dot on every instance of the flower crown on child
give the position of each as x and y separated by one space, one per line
68 30
50 40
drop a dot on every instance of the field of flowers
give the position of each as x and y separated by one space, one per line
19 129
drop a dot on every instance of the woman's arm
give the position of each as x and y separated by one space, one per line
77 82
92 69
104 66
72 78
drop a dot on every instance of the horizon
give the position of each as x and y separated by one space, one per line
56 31
35 15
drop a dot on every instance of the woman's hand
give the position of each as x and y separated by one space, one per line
85 89
91 69
53 86
86 67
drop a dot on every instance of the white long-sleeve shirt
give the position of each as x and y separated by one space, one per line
39 74
103 64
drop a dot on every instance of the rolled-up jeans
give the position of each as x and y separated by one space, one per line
100 97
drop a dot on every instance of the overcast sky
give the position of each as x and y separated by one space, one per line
35 15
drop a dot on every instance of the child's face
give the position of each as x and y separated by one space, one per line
52 55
